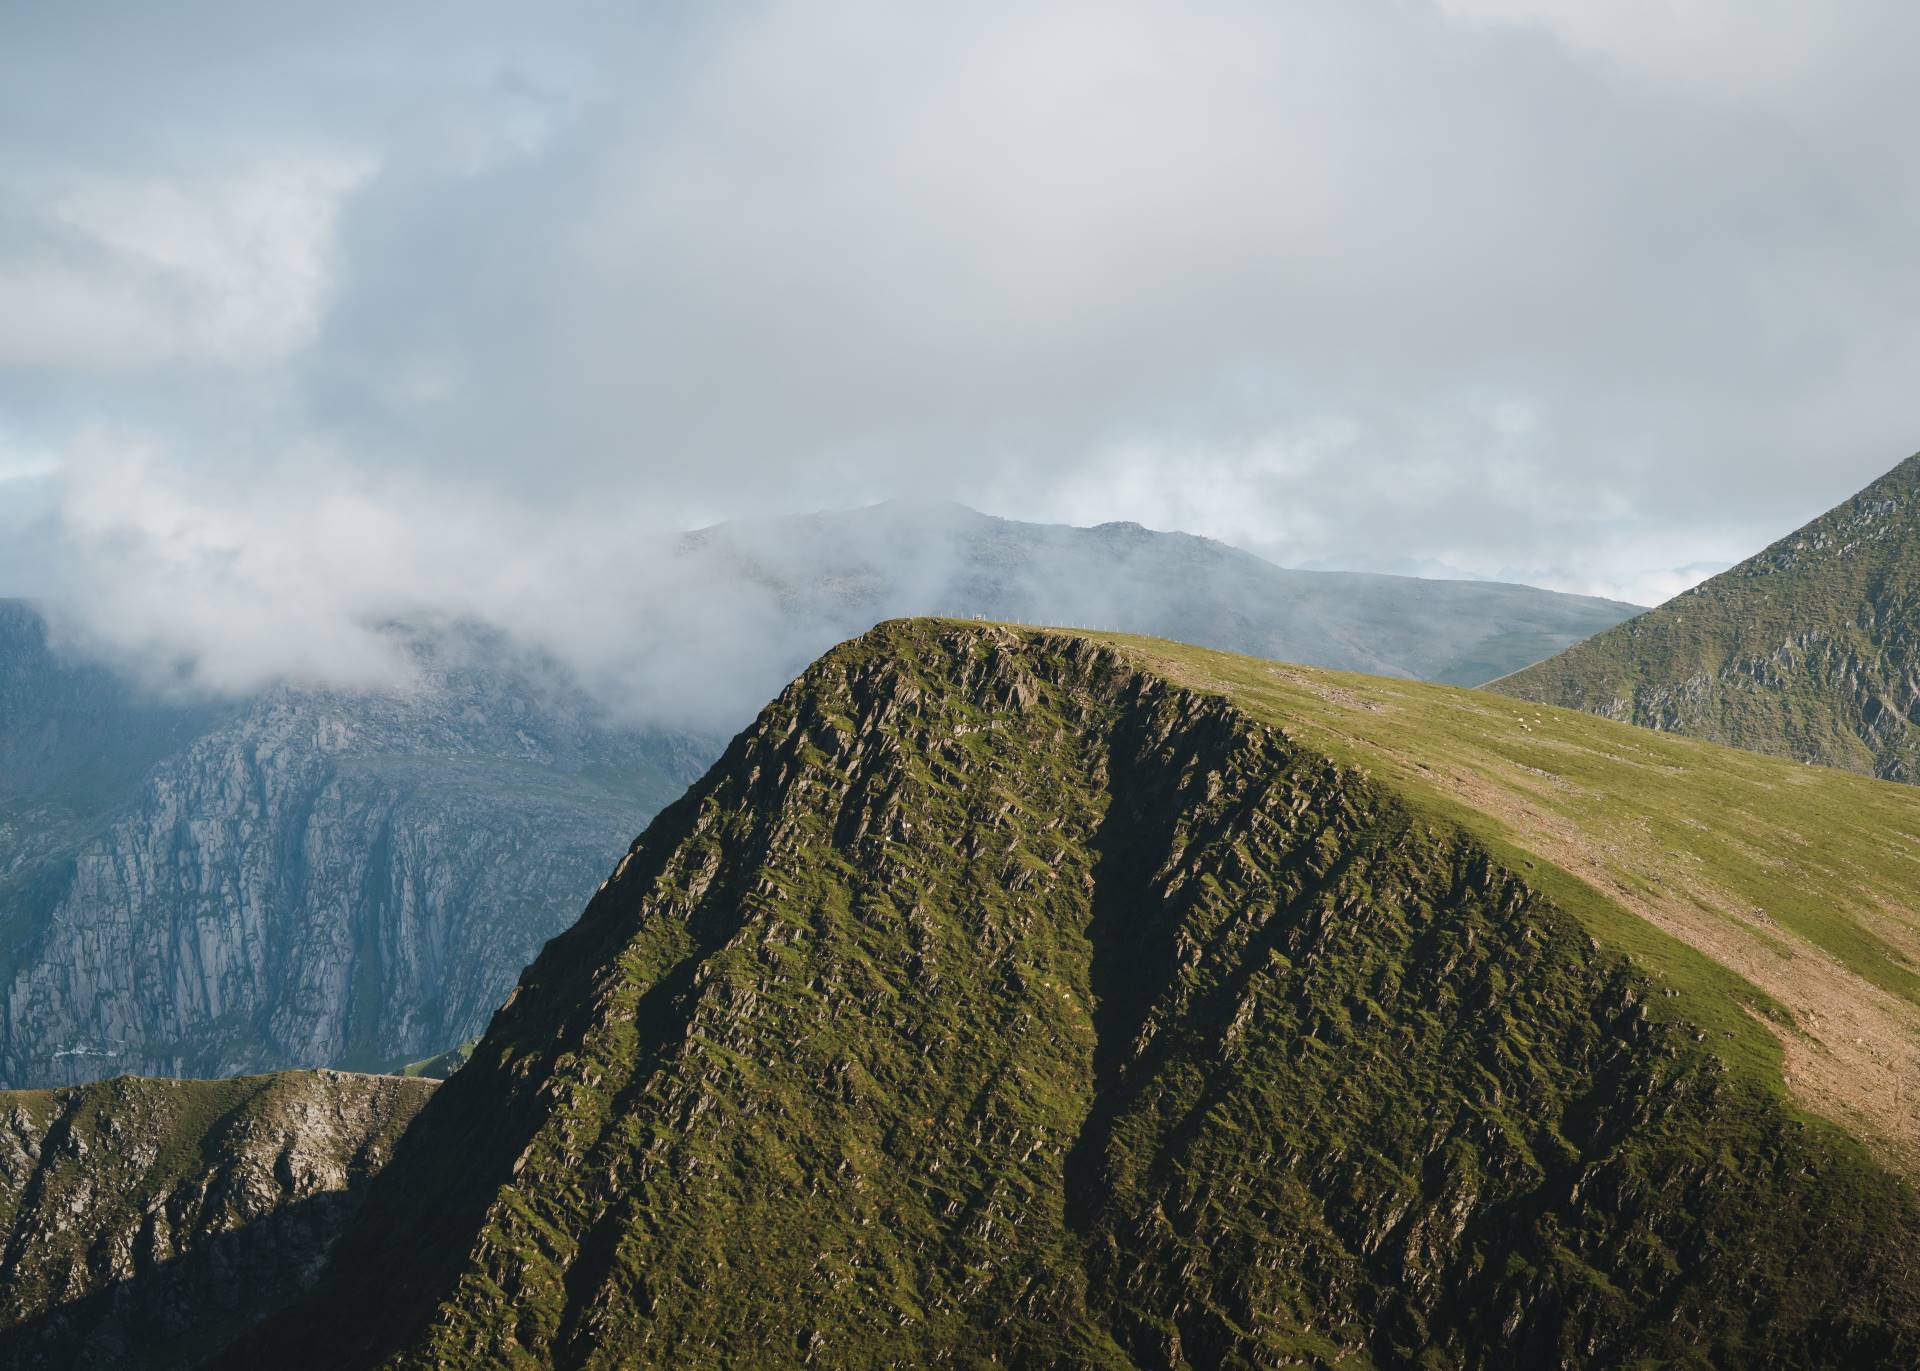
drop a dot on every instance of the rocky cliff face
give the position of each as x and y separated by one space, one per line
995 1002
1809 650
309 877
147 1222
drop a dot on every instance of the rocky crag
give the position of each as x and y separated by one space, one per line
1809 650
997 1001
146 1222
309 877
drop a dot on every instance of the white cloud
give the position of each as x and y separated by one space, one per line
1649 587
230 268
225 586
1727 49
21 465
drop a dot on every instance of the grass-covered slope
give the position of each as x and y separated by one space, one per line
1810 650
1021 999
143 1223
1782 900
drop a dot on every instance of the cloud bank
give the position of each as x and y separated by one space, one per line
314 319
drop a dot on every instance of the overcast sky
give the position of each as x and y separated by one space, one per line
314 313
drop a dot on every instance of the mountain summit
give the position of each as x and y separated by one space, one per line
1809 650
1014 998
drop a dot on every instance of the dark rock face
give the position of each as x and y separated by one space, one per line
995 1003
1809 650
147 1222
307 878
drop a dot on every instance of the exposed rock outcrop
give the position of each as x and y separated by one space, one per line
146 1222
309 878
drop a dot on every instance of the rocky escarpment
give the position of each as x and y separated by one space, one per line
995 1002
146 1222
1809 650
310 877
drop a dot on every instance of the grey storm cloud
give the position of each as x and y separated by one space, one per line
315 316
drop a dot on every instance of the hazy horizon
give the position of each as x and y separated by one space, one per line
728 613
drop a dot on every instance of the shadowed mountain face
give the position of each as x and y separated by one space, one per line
1810 650
996 1000
315 877
147 1222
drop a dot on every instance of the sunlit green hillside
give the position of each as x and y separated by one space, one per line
1012 997
1782 888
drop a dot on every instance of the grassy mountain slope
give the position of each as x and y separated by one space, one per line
145 1222
1758 886
1010 998
1809 650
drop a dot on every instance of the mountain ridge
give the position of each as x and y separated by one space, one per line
1124 577
304 878
1808 649
999 999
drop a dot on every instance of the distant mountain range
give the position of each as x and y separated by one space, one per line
317 877
1810 649
840 573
